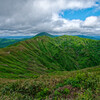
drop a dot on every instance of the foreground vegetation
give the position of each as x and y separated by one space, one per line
60 85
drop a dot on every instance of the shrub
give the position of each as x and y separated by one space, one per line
66 91
87 95
23 88
57 93
42 94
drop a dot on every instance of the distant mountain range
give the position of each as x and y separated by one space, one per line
4 42
89 37
15 37
47 34
8 40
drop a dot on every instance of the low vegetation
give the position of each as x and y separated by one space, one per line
74 85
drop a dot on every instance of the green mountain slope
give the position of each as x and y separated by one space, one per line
44 54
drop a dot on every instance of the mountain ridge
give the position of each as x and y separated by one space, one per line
8 40
44 54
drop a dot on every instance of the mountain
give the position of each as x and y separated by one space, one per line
44 34
15 37
5 42
96 37
44 54
45 68
8 40
90 37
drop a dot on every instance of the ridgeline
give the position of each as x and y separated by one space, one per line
43 54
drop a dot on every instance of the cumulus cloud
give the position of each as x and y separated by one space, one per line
92 21
27 17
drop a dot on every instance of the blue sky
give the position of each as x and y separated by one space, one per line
81 14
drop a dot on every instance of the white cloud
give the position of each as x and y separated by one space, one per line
91 21
30 16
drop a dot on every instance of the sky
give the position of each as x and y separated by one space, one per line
58 17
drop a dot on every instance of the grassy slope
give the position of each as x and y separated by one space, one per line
39 55
72 85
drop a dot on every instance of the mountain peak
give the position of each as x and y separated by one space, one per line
44 34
